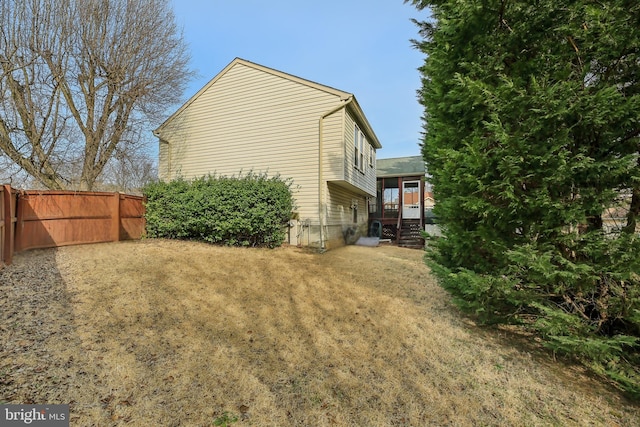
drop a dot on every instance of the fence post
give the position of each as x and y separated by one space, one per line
8 226
3 239
115 217
18 236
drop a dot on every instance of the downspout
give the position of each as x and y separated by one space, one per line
167 177
321 218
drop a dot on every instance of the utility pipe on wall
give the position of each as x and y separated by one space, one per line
320 167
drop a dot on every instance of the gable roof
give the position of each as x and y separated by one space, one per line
400 166
342 95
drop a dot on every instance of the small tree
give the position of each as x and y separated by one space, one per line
533 141
80 79
129 170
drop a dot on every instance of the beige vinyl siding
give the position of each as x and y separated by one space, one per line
163 160
333 146
339 203
340 213
364 181
251 120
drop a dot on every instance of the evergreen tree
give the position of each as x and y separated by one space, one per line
532 137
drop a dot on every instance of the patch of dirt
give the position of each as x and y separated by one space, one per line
173 333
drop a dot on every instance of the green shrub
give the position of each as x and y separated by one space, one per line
250 210
532 142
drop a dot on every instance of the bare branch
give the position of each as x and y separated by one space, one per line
88 69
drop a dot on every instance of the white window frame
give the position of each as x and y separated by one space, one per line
359 142
371 155
356 145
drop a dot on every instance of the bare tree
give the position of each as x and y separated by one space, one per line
129 171
82 79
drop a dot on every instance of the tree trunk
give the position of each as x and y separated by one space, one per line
634 209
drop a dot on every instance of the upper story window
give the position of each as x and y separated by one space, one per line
359 142
372 153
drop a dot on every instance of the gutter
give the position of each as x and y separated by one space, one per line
321 186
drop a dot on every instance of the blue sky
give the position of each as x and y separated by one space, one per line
359 46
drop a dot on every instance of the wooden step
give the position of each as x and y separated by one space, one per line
410 235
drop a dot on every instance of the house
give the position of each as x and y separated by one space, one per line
251 118
403 201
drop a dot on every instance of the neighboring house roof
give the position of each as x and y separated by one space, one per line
353 106
400 166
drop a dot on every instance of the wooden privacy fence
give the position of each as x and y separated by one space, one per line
8 205
47 219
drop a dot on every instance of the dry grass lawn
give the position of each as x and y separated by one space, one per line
173 333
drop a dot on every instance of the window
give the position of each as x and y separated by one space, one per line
362 145
391 202
356 145
359 142
372 153
390 198
373 204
